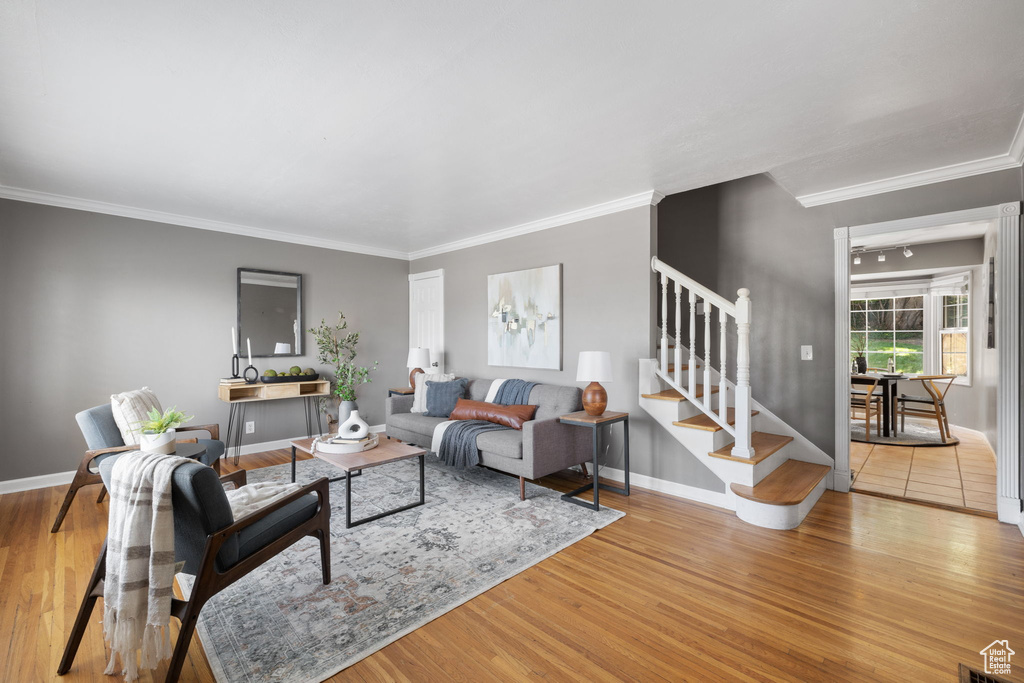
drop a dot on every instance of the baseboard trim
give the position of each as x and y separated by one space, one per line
40 482
694 493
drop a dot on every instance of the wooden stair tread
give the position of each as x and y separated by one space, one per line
788 485
671 368
763 443
673 395
705 423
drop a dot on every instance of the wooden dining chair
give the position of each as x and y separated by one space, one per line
931 406
862 397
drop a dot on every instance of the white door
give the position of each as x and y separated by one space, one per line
426 315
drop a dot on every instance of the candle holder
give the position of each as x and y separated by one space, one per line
234 366
255 375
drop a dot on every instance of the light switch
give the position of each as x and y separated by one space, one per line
806 353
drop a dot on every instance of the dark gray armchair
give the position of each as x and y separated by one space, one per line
214 546
103 438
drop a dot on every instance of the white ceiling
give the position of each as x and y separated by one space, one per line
399 126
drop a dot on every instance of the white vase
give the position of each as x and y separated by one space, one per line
354 427
157 443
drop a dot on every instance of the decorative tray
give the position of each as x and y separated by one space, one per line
331 444
289 378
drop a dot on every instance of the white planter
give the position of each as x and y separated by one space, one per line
354 427
157 443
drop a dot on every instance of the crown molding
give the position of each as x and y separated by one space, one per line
650 198
191 222
1012 159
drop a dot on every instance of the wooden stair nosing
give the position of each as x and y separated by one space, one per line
673 395
763 443
790 484
706 424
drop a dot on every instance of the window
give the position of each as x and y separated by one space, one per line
954 335
889 328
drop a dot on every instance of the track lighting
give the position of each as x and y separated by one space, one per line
907 252
881 257
856 260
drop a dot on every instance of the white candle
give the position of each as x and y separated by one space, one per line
248 344
234 342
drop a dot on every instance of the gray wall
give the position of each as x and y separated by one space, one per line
607 290
84 317
950 254
752 233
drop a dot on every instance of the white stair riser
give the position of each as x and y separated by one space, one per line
777 516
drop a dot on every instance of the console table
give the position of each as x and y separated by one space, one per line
239 395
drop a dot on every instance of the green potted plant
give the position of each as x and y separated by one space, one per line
158 432
858 345
337 348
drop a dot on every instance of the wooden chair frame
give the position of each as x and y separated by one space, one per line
209 581
936 403
84 476
862 399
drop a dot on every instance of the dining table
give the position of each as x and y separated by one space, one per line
887 383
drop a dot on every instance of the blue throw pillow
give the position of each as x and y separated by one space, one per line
442 396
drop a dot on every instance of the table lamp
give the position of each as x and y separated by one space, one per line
594 367
419 358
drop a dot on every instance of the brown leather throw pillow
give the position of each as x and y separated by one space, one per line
509 416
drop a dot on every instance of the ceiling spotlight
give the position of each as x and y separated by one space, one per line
881 257
856 260
907 252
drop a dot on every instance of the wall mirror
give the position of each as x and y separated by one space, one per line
270 312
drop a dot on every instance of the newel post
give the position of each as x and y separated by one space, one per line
742 447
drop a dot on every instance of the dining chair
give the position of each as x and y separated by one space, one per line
931 406
216 548
103 440
862 397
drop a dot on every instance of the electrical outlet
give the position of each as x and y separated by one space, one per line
806 353
250 427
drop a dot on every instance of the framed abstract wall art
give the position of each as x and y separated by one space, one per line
524 323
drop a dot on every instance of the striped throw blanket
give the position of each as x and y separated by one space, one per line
140 562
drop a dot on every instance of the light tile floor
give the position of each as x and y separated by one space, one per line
958 476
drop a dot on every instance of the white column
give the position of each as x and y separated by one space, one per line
677 352
742 448
841 352
1008 349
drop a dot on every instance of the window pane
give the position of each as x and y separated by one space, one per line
910 302
910 363
857 321
880 320
879 304
909 320
857 338
949 316
880 341
879 360
909 342
963 316
954 364
955 342
857 305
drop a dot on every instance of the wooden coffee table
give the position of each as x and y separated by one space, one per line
352 464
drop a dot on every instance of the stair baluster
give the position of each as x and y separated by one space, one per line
691 372
723 402
664 324
677 351
707 357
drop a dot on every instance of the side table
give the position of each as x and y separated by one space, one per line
582 419
401 391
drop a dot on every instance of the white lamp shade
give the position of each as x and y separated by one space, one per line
281 347
419 357
594 366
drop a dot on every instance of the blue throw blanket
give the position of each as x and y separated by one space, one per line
514 392
458 444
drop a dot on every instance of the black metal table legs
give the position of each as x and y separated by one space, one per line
349 523
596 485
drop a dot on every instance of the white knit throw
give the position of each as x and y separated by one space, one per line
140 562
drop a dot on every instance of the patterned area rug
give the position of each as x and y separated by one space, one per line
389 577
915 435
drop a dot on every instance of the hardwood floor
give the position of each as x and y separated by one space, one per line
960 477
866 589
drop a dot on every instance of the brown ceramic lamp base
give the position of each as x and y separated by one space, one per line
595 399
412 376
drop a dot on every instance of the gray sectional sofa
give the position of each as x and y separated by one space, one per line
542 447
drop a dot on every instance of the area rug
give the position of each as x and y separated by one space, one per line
915 435
389 577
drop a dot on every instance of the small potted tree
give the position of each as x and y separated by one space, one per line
337 348
158 432
858 346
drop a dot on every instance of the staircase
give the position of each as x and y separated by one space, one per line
773 475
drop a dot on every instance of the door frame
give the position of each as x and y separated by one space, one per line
1008 337
426 275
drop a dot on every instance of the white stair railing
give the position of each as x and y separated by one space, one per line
740 313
